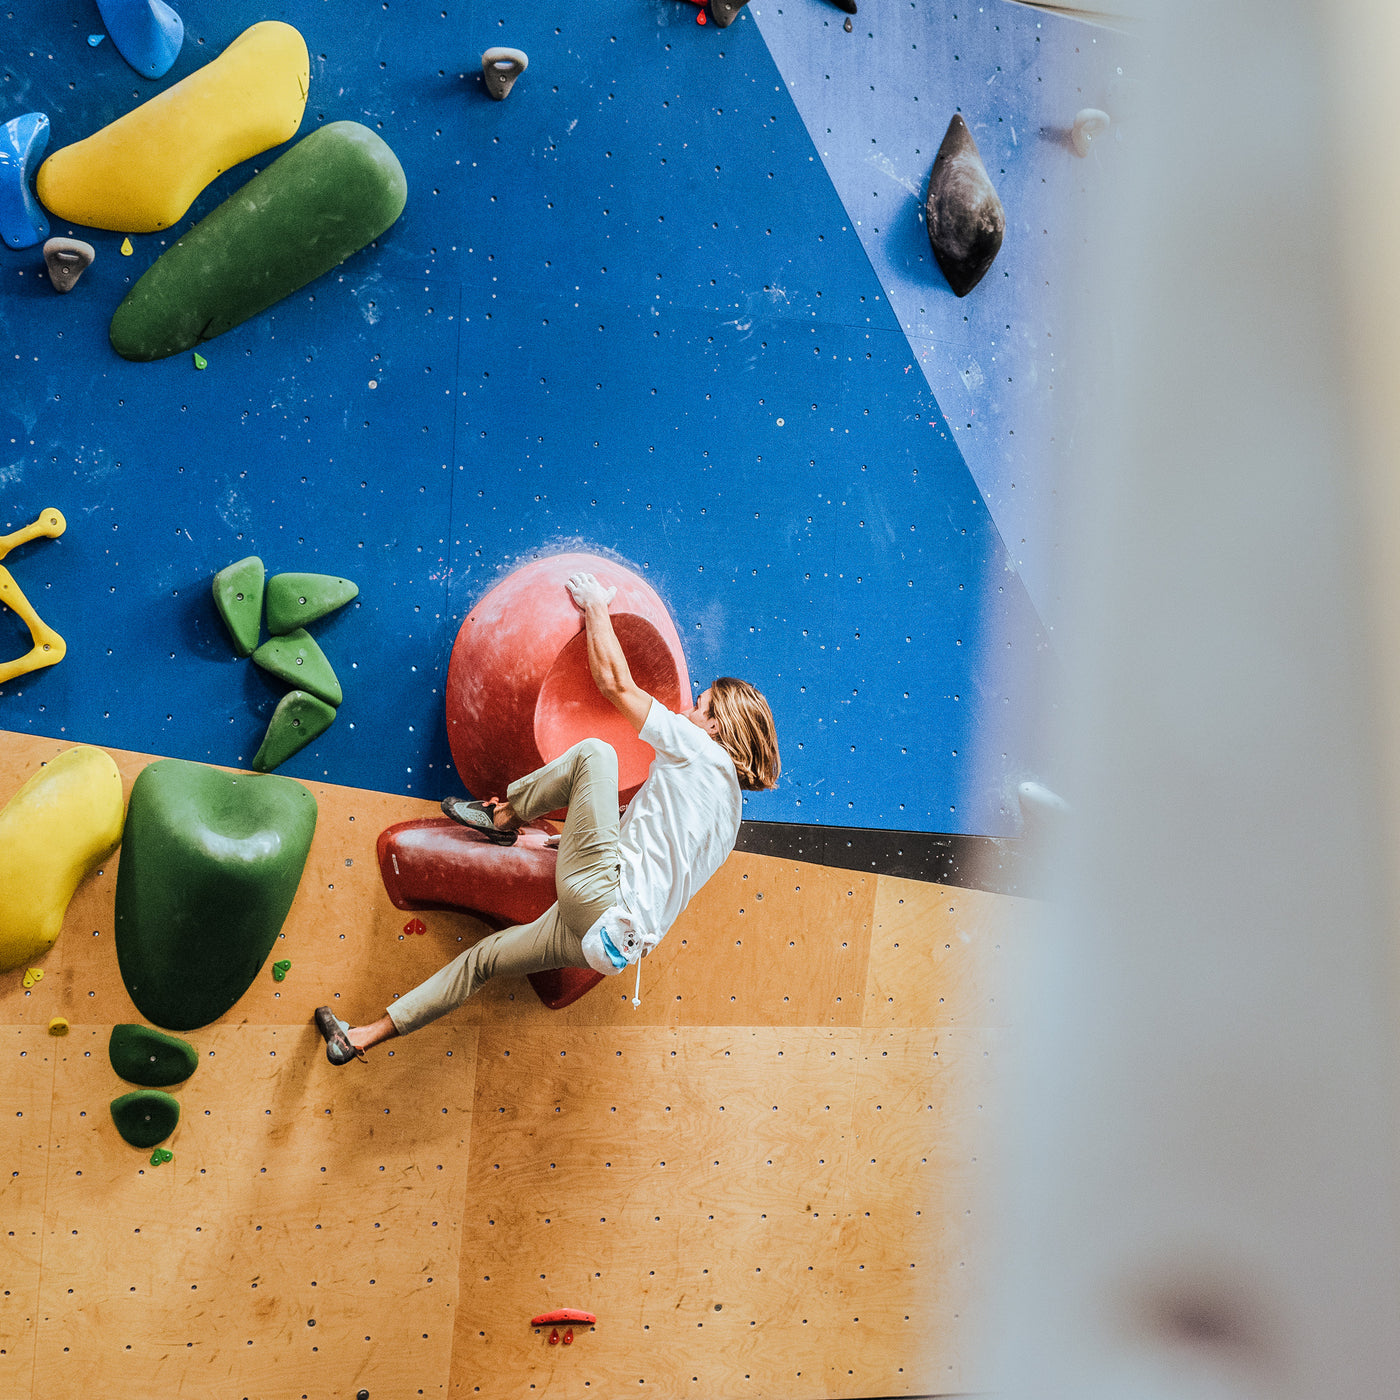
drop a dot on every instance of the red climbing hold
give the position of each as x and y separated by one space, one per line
554 1338
415 926
562 1315
568 1337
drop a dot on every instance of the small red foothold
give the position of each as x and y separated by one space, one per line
700 18
554 1338
569 1337
415 926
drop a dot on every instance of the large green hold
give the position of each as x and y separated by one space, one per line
141 1055
210 864
313 207
145 1117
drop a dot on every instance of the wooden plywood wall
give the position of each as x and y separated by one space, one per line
767 1180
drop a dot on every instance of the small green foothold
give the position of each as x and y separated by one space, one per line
297 660
280 969
298 719
238 595
161 1154
199 361
141 1055
293 600
145 1117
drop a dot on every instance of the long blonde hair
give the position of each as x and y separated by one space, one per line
747 732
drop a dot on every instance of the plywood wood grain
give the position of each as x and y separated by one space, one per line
768 1180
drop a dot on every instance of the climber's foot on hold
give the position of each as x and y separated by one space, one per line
336 1034
494 820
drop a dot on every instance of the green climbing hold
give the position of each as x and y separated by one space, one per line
210 864
161 1154
141 1055
298 719
281 968
293 600
297 660
238 595
145 1117
199 361
306 213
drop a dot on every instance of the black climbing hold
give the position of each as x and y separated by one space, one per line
849 6
362 1395
726 11
965 218
141 1055
145 1117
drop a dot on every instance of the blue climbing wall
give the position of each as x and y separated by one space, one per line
627 310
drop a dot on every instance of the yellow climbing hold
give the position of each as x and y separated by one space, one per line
58 1026
33 977
53 832
127 249
145 170
49 648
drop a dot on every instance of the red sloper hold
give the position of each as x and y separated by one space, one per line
519 691
436 864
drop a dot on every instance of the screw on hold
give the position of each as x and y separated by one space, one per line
66 260
554 1337
199 361
95 39
280 969
362 1395
35 974
501 67
415 926
568 1336
1089 125
127 249
161 1154
58 1026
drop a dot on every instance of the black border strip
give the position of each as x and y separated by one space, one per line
999 865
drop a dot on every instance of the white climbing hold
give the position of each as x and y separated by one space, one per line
501 67
1089 125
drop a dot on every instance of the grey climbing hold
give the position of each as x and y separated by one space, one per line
501 67
726 11
1089 125
67 259
965 218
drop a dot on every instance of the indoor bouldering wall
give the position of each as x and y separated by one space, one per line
767 1179
635 307
643 308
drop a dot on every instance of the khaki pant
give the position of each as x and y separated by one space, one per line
585 880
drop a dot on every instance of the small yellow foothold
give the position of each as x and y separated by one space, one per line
35 974
127 249
58 1026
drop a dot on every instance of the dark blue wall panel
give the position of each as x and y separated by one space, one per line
624 310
